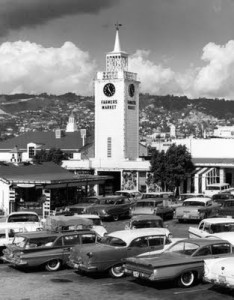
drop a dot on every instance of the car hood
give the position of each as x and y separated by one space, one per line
161 260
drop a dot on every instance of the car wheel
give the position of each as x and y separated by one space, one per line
116 271
186 279
115 217
53 265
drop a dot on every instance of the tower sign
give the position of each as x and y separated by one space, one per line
116 108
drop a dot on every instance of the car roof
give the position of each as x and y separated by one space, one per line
127 191
145 217
23 213
198 199
89 216
218 220
203 241
45 233
151 200
129 235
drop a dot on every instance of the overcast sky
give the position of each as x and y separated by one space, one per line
180 47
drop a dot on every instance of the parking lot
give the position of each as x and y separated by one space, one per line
67 284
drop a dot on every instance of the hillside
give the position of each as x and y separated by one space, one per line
46 112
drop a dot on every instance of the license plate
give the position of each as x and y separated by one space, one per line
136 274
222 279
186 216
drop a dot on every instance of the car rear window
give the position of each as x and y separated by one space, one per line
23 218
193 203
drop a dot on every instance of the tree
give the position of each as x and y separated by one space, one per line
54 154
171 168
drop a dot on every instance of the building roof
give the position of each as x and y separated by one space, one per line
46 173
213 161
67 141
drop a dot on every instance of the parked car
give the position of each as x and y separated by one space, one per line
165 195
196 209
154 206
183 261
221 197
108 207
107 254
8 231
215 188
144 221
185 196
49 248
97 225
220 272
29 219
227 209
111 207
214 228
133 195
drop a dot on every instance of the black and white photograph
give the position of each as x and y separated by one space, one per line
116 149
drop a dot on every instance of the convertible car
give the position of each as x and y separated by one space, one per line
49 248
107 254
183 261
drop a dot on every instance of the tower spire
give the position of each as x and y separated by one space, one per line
117 47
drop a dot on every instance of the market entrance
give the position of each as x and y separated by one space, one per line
111 185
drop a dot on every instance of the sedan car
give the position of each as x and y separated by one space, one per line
183 261
220 272
107 254
156 206
108 207
133 195
48 248
196 209
227 208
146 221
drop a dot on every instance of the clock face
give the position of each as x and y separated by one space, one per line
109 89
131 90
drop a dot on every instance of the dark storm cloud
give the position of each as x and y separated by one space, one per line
15 14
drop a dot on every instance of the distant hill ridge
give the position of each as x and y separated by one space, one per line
218 108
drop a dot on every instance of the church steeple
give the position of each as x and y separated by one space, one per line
117 60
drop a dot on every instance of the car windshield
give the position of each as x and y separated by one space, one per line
27 243
193 203
223 227
106 201
89 200
19 241
183 248
146 204
96 222
112 241
23 218
147 224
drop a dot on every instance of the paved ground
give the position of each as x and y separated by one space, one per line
38 284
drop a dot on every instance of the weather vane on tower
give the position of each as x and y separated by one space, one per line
117 25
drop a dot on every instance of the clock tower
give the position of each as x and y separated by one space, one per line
116 108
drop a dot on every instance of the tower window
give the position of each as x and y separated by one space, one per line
31 152
109 148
